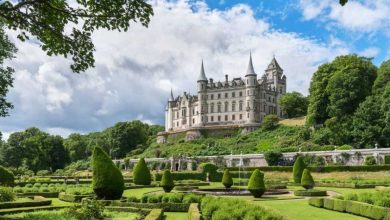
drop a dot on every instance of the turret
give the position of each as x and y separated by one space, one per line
169 113
202 79
250 83
202 89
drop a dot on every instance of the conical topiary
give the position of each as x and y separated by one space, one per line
107 181
141 173
227 180
298 168
167 181
307 180
256 184
6 177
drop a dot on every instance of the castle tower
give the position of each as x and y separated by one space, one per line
250 84
278 80
202 89
169 113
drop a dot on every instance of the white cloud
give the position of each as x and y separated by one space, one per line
135 70
370 52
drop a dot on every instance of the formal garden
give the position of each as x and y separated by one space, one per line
209 192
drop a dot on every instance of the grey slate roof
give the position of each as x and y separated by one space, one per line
250 70
202 75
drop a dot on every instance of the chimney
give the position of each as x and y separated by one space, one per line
226 78
211 80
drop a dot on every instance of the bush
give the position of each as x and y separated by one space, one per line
370 160
192 198
90 209
210 169
43 173
6 177
270 122
6 194
273 157
339 205
328 203
317 202
307 181
310 192
227 180
155 214
133 199
387 159
141 173
256 184
298 168
344 147
107 181
167 181
193 212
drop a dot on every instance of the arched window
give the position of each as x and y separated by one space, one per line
226 106
240 106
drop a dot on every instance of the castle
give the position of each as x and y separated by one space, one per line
224 107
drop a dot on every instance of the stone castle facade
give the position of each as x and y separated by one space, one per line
237 103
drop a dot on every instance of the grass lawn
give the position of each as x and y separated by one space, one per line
56 201
139 192
176 215
338 190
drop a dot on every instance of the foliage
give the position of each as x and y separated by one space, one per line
273 157
107 179
43 173
294 104
307 180
310 192
167 181
270 122
370 160
6 194
90 209
77 147
227 180
256 184
298 168
141 173
6 177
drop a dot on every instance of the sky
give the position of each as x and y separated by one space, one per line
135 70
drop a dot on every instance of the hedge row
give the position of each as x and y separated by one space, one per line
312 192
183 176
346 185
325 169
143 212
155 214
37 201
352 207
167 207
193 212
71 198
29 209
43 194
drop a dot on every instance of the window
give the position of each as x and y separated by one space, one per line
226 117
247 104
226 106
247 115
212 108
233 94
219 107
233 117
177 124
193 121
177 114
233 106
219 95
226 95
219 118
240 106
240 94
212 118
269 99
240 116
193 111
212 96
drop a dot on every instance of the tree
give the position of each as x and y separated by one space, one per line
6 177
294 104
298 168
227 179
273 157
167 181
107 181
270 122
383 78
141 173
307 180
256 184
7 49
77 146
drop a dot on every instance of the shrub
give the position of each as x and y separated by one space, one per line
141 173
273 157
370 160
256 184
193 212
310 192
167 181
43 173
6 194
192 198
344 147
307 181
298 168
270 122
387 159
90 209
133 199
18 189
227 180
339 205
6 177
317 202
107 181
210 169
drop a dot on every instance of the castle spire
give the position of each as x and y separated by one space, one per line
202 75
274 64
171 98
250 70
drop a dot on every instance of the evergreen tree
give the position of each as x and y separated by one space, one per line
307 180
6 177
227 179
256 184
167 181
298 168
141 173
107 181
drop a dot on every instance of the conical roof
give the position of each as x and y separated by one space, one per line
171 98
274 64
250 70
202 75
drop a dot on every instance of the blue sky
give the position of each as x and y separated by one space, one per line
136 70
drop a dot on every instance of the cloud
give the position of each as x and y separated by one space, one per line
135 70
370 52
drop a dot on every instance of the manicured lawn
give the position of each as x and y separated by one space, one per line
56 201
139 192
176 215
339 190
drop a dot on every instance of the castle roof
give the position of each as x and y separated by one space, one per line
250 71
274 65
202 75
171 98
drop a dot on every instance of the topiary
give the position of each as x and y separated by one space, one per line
307 181
107 181
256 184
227 180
167 181
6 177
141 173
210 170
298 168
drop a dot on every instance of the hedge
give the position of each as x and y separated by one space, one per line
183 176
167 207
143 212
29 209
71 198
387 159
352 207
346 185
193 212
310 193
155 214
37 201
324 169
43 194
141 173
267 168
6 177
